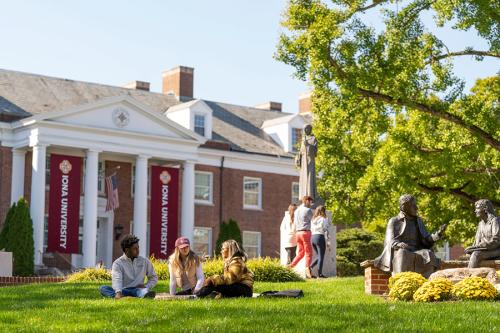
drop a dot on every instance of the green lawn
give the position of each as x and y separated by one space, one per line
330 305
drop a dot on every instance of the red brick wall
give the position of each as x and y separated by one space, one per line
276 196
17 280
5 182
376 281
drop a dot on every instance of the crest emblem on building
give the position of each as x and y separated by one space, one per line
65 167
165 177
121 117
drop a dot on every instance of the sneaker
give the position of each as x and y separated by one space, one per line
214 295
308 273
150 294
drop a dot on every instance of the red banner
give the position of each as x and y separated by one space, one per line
164 210
64 203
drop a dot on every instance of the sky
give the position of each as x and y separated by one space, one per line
229 43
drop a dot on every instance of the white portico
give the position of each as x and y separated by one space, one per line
120 127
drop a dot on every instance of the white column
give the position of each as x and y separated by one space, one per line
141 202
17 187
187 204
90 208
37 206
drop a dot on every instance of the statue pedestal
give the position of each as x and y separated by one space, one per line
330 261
5 263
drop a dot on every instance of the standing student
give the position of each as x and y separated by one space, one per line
237 279
319 231
303 216
290 234
185 270
128 273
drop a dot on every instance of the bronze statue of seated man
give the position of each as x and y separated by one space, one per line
487 242
408 244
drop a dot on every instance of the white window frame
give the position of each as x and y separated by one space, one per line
259 241
210 248
211 188
204 116
259 194
293 198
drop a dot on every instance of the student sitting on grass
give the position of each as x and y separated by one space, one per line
237 280
185 269
128 273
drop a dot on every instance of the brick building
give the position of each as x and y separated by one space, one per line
234 162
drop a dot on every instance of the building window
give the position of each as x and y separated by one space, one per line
252 193
295 192
100 177
251 243
199 124
202 241
203 187
296 137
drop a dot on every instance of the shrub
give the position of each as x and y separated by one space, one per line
474 288
264 270
17 237
161 268
345 267
229 230
403 285
354 246
90 274
270 270
433 291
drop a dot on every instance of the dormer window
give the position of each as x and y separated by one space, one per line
199 124
296 137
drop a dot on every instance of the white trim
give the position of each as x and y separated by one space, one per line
259 193
259 241
211 188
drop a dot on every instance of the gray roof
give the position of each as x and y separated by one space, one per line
24 94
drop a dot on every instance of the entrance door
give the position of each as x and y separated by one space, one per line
104 246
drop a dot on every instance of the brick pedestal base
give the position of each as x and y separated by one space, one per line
17 280
376 281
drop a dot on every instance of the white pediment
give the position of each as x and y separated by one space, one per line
121 113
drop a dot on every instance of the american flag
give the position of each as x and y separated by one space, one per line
112 192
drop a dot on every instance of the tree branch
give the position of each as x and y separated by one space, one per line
488 138
462 53
458 192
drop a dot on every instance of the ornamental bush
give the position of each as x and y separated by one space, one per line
403 285
90 275
474 288
17 237
229 230
434 291
271 270
355 245
161 268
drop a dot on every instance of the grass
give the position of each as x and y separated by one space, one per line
329 305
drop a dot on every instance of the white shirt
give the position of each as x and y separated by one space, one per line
319 226
126 273
200 278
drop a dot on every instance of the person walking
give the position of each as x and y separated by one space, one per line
319 231
289 233
303 216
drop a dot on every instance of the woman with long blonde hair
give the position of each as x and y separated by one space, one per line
185 269
319 240
237 279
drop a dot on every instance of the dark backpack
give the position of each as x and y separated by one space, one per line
291 293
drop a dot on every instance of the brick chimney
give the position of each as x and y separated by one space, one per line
305 103
178 81
272 106
137 85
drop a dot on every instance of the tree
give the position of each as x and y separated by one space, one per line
229 230
390 114
17 237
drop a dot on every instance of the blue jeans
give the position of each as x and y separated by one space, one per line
107 291
319 247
